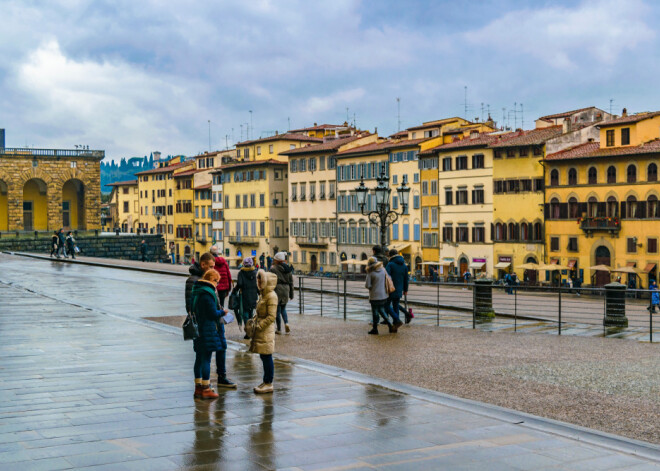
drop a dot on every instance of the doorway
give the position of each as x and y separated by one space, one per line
28 223
314 266
463 265
531 275
602 258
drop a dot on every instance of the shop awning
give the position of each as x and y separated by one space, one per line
554 261
431 263
571 264
446 263
477 265
503 265
399 247
649 267
354 262
631 264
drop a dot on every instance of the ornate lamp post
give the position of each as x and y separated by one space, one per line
382 216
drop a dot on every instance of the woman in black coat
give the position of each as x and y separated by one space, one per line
247 286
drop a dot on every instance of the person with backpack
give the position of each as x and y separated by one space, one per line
246 287
222 267
377 285
54 242
398 272
262 328
209 313
284 289
71 244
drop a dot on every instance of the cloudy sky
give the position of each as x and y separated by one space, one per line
135 76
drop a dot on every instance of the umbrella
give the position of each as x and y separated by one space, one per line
632 270
355 262
430 263
553 267
600 268
529 266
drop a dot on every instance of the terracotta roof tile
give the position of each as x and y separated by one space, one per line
482 141
166 169
124 183
434 124
565 114
331 144
251 163
188 173
380 147
319 126
527 138
203 187
591 150
633 118
289 136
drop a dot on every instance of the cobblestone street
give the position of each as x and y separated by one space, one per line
88 384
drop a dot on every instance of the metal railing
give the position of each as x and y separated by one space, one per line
52 152
553 310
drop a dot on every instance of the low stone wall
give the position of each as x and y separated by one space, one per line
125 247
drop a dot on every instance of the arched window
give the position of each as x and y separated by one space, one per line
498 231
612 207
611 174
530 231
652 207
512 231
554 177
573 208
592 207
554 208
593 176
538 233
504 234
631 174
572 177
631 207
525 231
652 173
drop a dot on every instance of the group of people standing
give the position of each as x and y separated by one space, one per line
387 282
63 246
262 295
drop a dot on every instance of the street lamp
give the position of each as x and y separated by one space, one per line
382 216
158 216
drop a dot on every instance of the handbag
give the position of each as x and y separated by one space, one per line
251 326
190 327
234 301
389 284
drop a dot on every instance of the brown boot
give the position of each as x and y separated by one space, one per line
198 390
208 393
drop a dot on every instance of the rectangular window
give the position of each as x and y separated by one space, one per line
434 187
416 201
609 137
270 149
293 166
651 245
425 188
434 217
462 233
573 244
262 200
478 161
406 231
262 228
632 246
425 218
625 136
448 196
478 195
258 150
446 164
253 198
461 162
554 244
238 201
125 206
462 196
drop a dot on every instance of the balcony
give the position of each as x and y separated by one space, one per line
243 240
600 224
305 241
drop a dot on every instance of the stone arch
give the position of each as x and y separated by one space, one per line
554 195
4 205
73 193
34 173
630 193
35 205
601 242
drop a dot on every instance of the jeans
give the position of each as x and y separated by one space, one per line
394 308
61 250
247 314
220 356
379 308
202 366
269 368
281 311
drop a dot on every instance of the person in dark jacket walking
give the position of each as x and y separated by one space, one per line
284 290
61 243
377 285
246 284
269 262
211 336
71 244
262 260
398 271
54 242
222 267
143 250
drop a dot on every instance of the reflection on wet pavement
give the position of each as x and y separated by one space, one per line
81 389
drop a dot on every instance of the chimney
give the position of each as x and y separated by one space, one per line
315 124
624 112
566 127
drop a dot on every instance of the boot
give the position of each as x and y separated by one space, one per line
264 388
373 331
198 390
208 393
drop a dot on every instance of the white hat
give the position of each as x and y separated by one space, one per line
214 250
280 256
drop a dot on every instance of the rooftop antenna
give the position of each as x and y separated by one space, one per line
611 101
465 104
482 111
398 114
488 110
250 128
227 141
241 133
347 118
522 116
354 121
209 135
504 116
515 115
288 119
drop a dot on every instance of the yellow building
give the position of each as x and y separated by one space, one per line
448 128
203 218
465 187
49 189
321 131
163 209
312 202
601 202
269 148
255 208
125 206
428 164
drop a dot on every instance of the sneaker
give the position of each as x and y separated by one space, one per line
287 329
264 388
224 382
208 393
278 332
373 332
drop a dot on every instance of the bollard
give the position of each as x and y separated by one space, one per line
344 298
483 299
615 305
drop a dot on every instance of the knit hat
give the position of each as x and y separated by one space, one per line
280 256
248 262
214 250
372 261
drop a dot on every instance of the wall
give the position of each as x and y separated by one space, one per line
121 247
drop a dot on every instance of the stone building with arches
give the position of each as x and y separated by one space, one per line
601 201
49 189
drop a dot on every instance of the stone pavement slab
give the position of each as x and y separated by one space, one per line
80 389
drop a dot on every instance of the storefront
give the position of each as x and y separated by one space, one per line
503 266
478 267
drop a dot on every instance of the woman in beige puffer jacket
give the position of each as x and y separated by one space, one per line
263 337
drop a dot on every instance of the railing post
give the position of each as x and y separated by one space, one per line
474 308
344 298
437 304
559 310
651 310
338 299
515 309
300 295
321 296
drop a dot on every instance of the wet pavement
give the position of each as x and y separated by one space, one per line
86 384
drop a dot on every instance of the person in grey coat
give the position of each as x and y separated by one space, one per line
284 290
378 296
